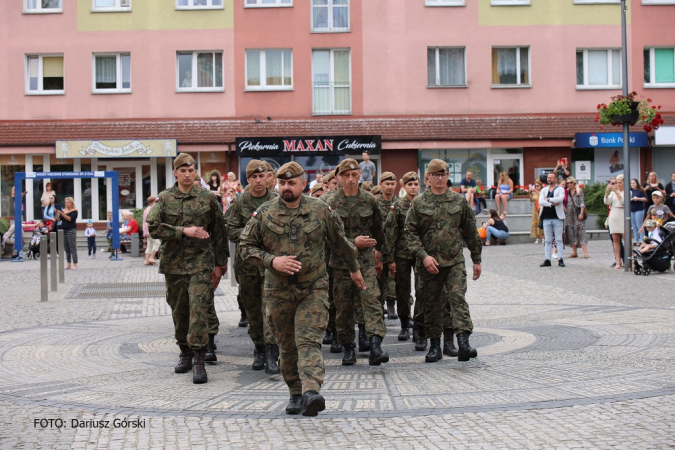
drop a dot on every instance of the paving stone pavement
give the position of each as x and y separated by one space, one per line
574 357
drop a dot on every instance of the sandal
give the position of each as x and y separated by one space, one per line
573 255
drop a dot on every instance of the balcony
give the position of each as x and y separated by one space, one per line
332 98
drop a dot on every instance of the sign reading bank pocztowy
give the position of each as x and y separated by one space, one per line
308 146
129 148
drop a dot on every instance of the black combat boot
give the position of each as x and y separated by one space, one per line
415 332
198 369
349 359
335 347
465 350
243 321
271 357
329 337
294 404
391 307
435 353
449 348
258 357
377 355
185 360
364 346
312 403
421 342
404 335
211 349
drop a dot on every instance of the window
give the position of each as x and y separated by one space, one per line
42 6
44 74
110 5
511 66
267 3
332 82
330 16
659 67
658 2
199 71
510 2
445 2
595 2
446 67
598 69
112 73
199 4
269 69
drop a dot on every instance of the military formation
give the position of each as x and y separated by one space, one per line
312 269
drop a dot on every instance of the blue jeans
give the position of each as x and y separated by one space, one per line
499 234
636 219
552 227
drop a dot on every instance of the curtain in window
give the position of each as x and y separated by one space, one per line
52 73
504 66
342 91
320 14
205 70
340 14
597 67
287 68
524 66
253 68
106 72
322 92
664 59
580 68
126 71
273 62
431 67
185 70
51 4
451 64
33 72
647 66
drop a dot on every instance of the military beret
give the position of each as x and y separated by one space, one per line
290 170
197 177
269 166
410 176
387 176
346 165
317 186
329 176
183 159
255 166
437 165
376 190
367 186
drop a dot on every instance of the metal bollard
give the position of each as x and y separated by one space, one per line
52 250
44 289
135 245
62 271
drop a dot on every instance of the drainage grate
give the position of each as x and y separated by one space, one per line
121 290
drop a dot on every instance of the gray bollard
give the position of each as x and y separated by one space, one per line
44 288
135 245
62 271
52 250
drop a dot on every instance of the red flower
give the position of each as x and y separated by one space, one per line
649 100
648 128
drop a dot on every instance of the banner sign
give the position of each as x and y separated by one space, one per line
58 175
610 140
142 148
582 170
308 146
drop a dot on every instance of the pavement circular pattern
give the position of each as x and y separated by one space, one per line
533 356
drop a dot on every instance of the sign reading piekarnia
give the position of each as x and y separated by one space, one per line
307 146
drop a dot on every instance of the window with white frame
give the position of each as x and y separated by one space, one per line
44 74
509 2
445 2
267 3
330 16
595 2
200 71
112 72
110 5
331 76
511 66
199 4
269 69
659 66
598 69
446 66
42 6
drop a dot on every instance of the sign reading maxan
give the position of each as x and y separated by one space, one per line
308 146
129 148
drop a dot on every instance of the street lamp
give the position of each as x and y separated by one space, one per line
627 234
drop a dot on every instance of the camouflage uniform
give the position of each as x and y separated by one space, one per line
331 303
186 262
396 250
385 281
298 305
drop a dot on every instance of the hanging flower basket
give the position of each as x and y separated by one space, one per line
627 110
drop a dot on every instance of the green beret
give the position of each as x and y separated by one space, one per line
183 159
316 187
410 176
290 170
367 186
255 166
376 190
387 176
346 165
329 176
437 165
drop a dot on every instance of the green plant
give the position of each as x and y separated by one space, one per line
646 113
4 225
594 195
138 215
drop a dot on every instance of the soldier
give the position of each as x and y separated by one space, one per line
317 190
271 177
435 226
189 222
386 200
330 182
376 191
363 224
288 238
397 256
250 277
330 338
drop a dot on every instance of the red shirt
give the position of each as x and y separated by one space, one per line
134 226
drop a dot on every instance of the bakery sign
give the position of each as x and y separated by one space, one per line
308 146
128 148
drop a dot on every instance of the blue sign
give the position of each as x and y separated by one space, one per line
610 140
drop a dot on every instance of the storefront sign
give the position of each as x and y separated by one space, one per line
308 146
582 170
43 175
664 136
610 140
146 148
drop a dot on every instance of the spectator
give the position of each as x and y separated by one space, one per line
658 212
129 227
68 219
479 197
504 192
496 227
535 231
109 231
653 233
317 190
227 199
552 213
614 199
367 168
561 170
652 185
90 233
318 180
44 200
638 198
49 217
514 175
152 246
215 184
467 187
575 222
670 193
232 183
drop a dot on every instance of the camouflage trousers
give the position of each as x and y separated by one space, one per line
213 317
346 294
387 285
189 297
331 303
437 292
298 317
404 267
251 291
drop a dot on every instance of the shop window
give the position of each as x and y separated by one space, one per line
42 6
511 67
445 2
330 16
267 3
331 78
459 162
269 70
446 67
599 69
111 5
199 4
112 73
9 166
44 74
199 71
659 64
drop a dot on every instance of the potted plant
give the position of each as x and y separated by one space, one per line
628 109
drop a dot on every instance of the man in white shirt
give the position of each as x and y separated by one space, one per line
319 178
552 213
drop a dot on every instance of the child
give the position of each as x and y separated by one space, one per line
653 232
480 196
90 232
109 230
40 229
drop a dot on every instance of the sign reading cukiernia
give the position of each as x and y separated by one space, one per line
141 148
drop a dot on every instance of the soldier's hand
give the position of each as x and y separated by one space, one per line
357 278
196 232
286 264
378 268
392 269
215 277
476 271
364 242
431 265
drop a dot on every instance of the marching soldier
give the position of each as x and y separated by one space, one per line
386 200
330 185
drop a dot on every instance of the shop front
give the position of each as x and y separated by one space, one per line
599 156
663 153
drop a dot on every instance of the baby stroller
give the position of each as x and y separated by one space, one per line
34 245
658 259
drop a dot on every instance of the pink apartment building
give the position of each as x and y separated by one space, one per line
488 85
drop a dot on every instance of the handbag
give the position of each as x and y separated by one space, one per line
577 209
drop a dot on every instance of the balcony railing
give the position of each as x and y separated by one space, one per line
332 98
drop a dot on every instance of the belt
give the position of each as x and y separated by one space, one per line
297 279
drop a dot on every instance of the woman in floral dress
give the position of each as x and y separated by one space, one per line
575 227
535 231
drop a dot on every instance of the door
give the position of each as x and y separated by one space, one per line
511 164
134 184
